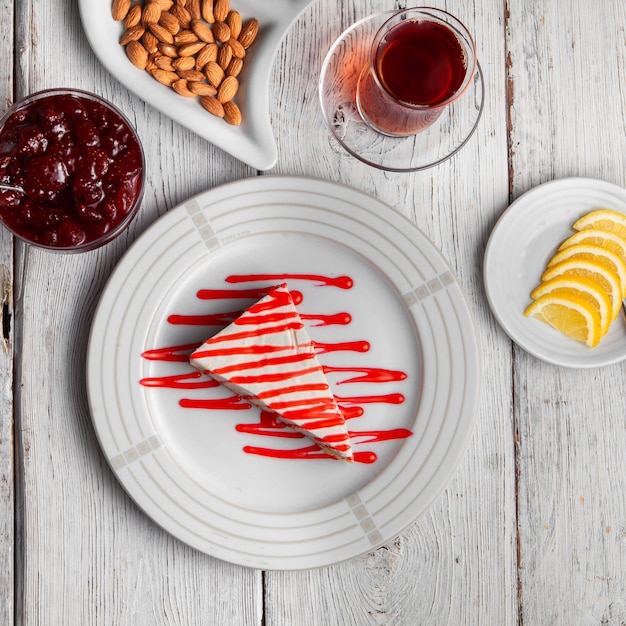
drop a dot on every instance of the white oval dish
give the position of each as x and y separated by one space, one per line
522 242
191 469
253 141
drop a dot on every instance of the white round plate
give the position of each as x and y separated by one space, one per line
253 141
183 454
522 242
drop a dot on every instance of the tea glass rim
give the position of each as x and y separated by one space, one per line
435 14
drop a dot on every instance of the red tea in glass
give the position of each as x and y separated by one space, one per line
422 60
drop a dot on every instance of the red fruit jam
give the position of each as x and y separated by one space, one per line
79 167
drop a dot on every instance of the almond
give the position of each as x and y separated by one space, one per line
161 33
221 31
234 23
151 13
224 56
180 87
202 30
137 54
190 49
164 63
202 89
212 105
168 50
193 6
249 33
191 76
150 42
169 22
207 54
133 17
119 9
182 15
165 77
183 63
214 73
185 36
206 8
221 9
234 67
134 33
151 65
227 89
232 114
237 48
165 5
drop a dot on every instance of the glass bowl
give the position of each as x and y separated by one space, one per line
71 170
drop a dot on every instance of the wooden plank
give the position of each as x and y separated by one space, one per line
566 78
456 564
91 556
7 470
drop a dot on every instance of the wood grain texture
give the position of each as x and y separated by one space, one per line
7 437
568 118
532 527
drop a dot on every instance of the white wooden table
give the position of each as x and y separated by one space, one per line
531 530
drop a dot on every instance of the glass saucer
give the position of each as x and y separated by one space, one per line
337 88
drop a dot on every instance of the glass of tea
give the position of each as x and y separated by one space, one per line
421 61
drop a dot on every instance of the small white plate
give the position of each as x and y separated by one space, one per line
253 141
190 468
521 244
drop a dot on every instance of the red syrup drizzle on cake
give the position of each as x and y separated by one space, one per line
268 426
266 356
342 282
223 319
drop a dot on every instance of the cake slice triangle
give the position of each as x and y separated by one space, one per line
267 357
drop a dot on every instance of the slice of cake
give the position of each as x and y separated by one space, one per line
267 357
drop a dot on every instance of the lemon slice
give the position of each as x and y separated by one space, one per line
603 219
574 317
578 287
606 278
595 253
605 238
